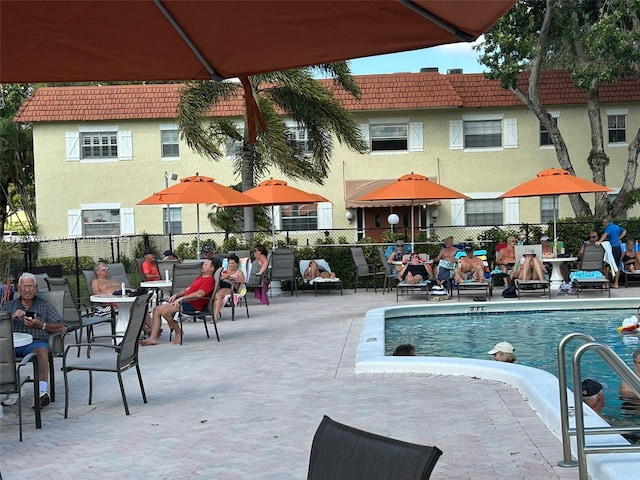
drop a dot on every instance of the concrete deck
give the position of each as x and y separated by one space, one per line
248 407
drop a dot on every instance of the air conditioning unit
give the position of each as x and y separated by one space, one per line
454 71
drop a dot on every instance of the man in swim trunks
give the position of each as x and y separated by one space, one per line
470 268
446 261
507 258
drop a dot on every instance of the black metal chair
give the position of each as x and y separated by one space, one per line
111 358
363 269
340 452
283 267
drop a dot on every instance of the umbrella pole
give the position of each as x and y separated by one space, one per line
198 231
555 235
273 229
413 247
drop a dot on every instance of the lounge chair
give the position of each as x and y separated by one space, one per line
340 452
486 288
625 275
590 275
319 283
531 286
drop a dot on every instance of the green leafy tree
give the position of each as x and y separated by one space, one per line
596 42
17 192
229 219
292 93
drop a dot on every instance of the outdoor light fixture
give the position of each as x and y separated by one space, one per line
393 220
435 213
349 215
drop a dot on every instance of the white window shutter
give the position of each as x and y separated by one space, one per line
416 137
125 147
74 218
456 138
364 132
277 217
73 146
512 211
510 139
325 215
457 212
127 224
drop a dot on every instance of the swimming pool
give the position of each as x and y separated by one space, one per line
538 387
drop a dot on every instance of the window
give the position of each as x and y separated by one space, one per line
174 223
170 143
483 212
299 217
99 145
548 205
545 138
482 133
389 137
617 128
300 136
100 222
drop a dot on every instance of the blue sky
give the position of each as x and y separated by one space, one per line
455 55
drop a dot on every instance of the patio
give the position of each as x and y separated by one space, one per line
247 407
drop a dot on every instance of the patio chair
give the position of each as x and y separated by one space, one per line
319 283
109 357
340 452
283 267
364 270
627 276
590 275
11 378
531 286
390 273
203 314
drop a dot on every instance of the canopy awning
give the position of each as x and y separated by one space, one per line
356 188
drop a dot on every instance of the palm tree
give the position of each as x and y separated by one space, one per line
296 93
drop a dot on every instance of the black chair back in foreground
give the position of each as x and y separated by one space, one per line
340 452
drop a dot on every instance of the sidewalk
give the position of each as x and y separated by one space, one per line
248 407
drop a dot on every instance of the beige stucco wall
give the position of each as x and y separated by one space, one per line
62 185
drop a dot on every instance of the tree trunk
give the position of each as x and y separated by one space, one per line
248 151
597 159
619 205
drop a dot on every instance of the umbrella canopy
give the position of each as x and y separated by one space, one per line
198 189
554 181
88 40
277 192
414 187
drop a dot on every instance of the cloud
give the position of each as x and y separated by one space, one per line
460 48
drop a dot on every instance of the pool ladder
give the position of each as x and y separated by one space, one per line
580 431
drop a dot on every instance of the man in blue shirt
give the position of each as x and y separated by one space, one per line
613 234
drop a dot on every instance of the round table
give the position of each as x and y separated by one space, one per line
21 339
159 286
124 308
556 278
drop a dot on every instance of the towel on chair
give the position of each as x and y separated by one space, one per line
608 257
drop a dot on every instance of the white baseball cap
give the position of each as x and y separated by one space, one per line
504 347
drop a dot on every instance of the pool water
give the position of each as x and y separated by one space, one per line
534 335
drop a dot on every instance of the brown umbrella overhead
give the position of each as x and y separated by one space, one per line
144 40
277 192
554 181
198 189
414 187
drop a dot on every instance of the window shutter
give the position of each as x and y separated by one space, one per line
457 212
416 137
325 215
127 225
277 217
456 139
512 210
510 139
73 146
364 132
125 149
74 218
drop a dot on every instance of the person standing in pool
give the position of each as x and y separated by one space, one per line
503 352
405 350
624 390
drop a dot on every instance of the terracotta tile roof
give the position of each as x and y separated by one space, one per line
398 91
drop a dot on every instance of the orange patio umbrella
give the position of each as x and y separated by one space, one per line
277 192
415 188
198 189
142 40
554 182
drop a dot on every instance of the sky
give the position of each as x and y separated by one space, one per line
455 55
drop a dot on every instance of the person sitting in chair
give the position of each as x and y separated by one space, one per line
230 279
415 271
149 267
314 271
507 258
529 267
470 268
630 258
103 284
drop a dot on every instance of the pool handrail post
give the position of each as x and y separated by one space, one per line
567 460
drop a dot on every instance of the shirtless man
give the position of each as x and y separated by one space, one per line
446 261
507 258
470 268
103 283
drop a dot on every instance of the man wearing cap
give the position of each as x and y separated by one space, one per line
530 267
169 255
592 395
395 253
503 352
470 268
207 252
149 266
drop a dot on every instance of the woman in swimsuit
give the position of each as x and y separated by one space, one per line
630 258
229 279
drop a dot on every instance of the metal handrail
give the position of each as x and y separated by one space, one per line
622 370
